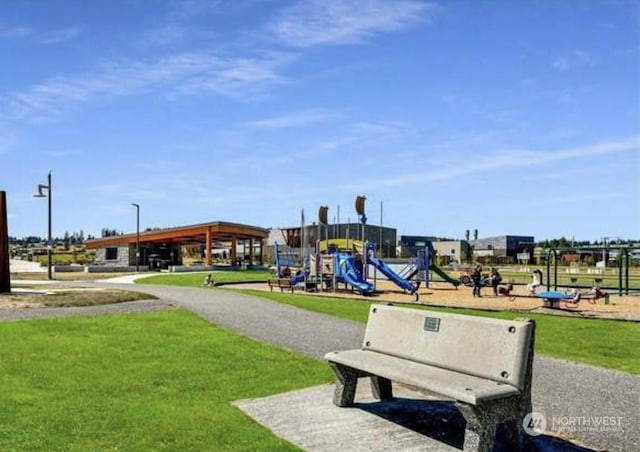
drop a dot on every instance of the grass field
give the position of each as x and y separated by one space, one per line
154 381
196 279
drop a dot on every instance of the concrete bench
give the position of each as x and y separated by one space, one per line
282 283
482 365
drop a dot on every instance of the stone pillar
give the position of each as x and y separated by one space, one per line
5 276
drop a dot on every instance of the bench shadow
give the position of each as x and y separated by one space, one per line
443 422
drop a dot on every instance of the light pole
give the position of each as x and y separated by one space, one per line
137 206
40 194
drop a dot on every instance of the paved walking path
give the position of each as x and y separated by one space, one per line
566 393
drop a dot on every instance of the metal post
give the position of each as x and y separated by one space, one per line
380 241
40 194
137 206
49 238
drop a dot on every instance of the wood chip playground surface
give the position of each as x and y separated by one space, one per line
625 307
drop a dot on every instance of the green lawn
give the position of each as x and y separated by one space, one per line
153 381
197 279
605 343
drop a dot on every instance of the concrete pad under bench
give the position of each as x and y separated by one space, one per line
413 421
309 419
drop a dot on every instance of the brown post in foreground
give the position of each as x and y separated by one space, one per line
5 276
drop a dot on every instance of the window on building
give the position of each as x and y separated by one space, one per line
453 251
111 254
489 247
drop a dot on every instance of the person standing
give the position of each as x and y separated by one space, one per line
536 281
476 277
495 278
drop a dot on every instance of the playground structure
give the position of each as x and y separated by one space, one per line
352 263
289 265
327 264
335 262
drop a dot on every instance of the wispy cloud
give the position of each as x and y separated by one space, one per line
61 35
299 119
353 138
575 199
467 105
239 77
62 154
189 8
514 158
317 22
185 21
41 37
573 60
165 34
186 73
7 141
7 32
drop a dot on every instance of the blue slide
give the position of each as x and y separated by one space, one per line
393 276
352 277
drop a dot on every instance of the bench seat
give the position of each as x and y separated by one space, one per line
455 385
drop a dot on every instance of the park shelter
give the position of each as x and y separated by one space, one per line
163 245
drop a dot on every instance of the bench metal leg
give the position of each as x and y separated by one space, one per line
381 388
345 391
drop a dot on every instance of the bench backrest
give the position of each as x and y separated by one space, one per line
489 348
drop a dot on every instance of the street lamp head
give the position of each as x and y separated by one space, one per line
135 205
39 193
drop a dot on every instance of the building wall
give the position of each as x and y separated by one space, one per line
411 244
504 245
124 256
455 250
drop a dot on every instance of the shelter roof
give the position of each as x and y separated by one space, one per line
184 235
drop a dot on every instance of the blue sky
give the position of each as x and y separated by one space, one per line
506 117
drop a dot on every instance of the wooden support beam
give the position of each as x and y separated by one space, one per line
234 244
208 245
